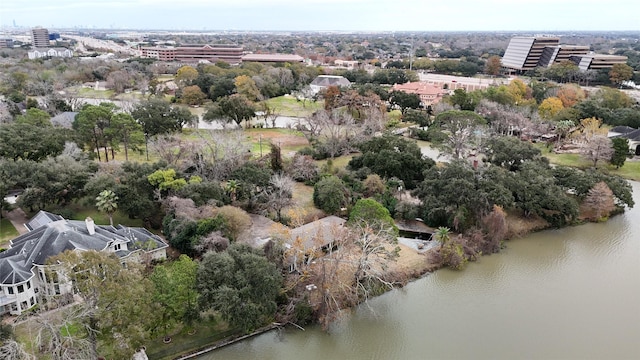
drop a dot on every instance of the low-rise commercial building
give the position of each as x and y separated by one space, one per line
429 94
272 58
195 53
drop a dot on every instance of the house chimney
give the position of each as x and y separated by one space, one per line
91 227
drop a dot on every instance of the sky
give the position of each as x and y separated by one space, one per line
311 15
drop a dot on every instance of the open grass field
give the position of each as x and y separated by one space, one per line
289 106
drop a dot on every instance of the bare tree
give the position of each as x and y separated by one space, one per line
280 194
118 80
596 148
460 137
176 151
334 131
214 241
376 247
601 200
302 168
58 334
219 153
13 350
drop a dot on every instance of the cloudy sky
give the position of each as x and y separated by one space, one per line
364 15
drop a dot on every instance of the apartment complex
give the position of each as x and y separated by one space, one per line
231 54
524 53
39 37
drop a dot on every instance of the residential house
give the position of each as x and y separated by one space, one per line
324 81
38 53
628 133
306 242
348 64
25 276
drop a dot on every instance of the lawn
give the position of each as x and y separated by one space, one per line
290 141
289 106
207 332
94 94
630 170
338 163
165 77
7 232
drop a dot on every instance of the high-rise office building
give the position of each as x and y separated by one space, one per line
524 53
557 54
39 37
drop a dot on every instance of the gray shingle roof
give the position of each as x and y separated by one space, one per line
54 235
632 135
330 80
318 233
622 129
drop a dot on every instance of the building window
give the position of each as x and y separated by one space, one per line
10 290
57 287
20 288
117 247
28 284
24 305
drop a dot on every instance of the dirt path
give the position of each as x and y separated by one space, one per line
18 218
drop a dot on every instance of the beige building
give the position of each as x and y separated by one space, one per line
39 37
231 54
429 94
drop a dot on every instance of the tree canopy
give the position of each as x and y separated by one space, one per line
241 284
390 156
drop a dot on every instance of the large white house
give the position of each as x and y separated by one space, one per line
25 276
51 52
324 81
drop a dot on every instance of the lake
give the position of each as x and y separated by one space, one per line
572 293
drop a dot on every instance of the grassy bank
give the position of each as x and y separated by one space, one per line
185 341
